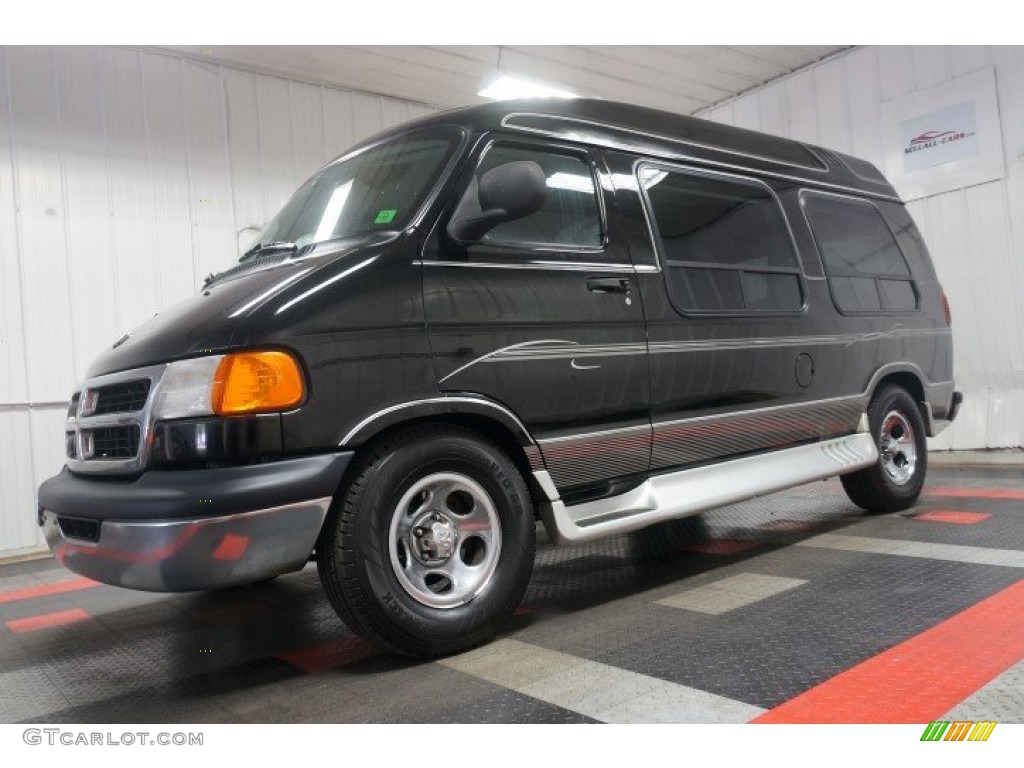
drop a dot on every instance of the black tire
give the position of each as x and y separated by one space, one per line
355 551
875 488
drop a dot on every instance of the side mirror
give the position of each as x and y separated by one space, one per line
505 193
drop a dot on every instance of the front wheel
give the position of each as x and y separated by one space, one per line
895 480
430 545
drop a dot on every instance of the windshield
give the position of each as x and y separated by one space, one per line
379 188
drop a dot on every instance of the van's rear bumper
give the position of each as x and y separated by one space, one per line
936 423
176 531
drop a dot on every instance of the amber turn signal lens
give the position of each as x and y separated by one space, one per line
253 382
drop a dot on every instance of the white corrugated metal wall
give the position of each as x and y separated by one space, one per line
976 235
124 178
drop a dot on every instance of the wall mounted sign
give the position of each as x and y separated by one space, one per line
945 137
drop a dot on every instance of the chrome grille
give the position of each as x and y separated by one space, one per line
122 398
109 421
111 443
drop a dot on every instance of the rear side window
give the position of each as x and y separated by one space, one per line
570 216
724 243
864 264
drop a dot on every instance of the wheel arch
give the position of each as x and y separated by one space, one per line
909 377
488 418
905 379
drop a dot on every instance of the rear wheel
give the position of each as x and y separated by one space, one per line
895 480
430 545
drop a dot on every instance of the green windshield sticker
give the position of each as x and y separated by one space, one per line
385 216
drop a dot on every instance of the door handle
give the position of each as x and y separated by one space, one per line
608 285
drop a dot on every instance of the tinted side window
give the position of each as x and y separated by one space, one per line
724 243
570 216
865 266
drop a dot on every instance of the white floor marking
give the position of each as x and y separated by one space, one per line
1011 558
726 595
596 690
1001 698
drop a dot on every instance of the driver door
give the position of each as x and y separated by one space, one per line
543 315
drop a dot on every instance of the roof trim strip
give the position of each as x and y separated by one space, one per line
818 167
608 142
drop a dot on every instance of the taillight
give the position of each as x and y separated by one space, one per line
945 310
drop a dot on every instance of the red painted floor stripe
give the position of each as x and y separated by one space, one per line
924 677
329 655
721 546
978 493
955 516
47 620
42 590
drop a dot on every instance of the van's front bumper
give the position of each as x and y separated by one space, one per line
177 531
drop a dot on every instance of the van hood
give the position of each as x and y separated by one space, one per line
213 320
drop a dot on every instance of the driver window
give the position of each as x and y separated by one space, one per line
570 216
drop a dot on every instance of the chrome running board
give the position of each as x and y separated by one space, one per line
691 491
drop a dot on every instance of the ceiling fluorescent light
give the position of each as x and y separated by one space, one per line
506 87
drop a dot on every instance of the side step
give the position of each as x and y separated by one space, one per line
691 491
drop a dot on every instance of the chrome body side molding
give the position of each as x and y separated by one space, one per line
707 438
590 457
557 266
691 491
595 456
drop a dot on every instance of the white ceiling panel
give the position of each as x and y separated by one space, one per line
683 78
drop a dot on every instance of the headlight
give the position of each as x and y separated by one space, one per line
185 388
225 385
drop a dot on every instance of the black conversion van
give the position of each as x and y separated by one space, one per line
596 314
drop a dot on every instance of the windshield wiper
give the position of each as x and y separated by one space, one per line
261 248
